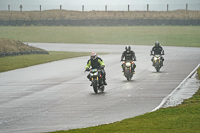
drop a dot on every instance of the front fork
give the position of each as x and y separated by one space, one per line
128 70
154 62
97 80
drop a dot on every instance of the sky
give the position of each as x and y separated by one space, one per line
130 2
96 2
99 4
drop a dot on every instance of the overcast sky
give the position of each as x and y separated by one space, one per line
193 4
96 2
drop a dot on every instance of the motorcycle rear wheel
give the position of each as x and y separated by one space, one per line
102 88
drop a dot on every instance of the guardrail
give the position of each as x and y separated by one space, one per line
101 22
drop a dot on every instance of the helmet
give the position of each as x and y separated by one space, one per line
93 55
157 44
128 48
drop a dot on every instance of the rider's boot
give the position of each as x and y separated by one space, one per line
133 70
123 69
105 83
153 63
90 80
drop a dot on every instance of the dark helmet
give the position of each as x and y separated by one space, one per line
93 55
128 48
157 44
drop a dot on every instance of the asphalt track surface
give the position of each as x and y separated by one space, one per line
58 96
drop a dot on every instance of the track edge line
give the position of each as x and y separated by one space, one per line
167 97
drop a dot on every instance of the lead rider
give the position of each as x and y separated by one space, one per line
96 63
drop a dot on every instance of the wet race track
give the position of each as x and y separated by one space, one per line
58 96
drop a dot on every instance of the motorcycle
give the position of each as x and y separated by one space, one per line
97 80
128 73
157 61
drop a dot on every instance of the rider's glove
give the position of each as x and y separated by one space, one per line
102 67
87 69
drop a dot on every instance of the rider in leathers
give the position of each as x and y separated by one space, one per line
129 56
157 50
96 63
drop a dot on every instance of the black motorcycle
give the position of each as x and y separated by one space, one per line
97 80
128 72
157 61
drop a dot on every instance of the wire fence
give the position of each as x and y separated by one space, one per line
139 7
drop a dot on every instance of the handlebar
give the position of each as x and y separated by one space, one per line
125 60
156 54
101 67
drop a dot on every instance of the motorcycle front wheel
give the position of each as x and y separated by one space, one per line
94 84
128 76
157 66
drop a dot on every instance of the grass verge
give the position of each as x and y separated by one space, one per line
15 62
183 118
187 36
198 72
9 45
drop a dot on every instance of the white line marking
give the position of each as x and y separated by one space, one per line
167 97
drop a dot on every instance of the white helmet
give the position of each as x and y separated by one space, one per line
93 55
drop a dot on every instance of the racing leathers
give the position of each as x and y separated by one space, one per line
96 63
157 50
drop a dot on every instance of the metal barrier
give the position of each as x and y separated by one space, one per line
101 22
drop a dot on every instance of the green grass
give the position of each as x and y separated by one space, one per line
184 118
137 35
198 72
15 62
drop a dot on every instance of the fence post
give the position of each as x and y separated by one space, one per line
40 8
8 7
186 7
60 7
82 8
167 7
128 7
105 7
20 8
147 7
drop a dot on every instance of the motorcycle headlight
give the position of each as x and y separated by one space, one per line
155 58
96 73
91 74
128 64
